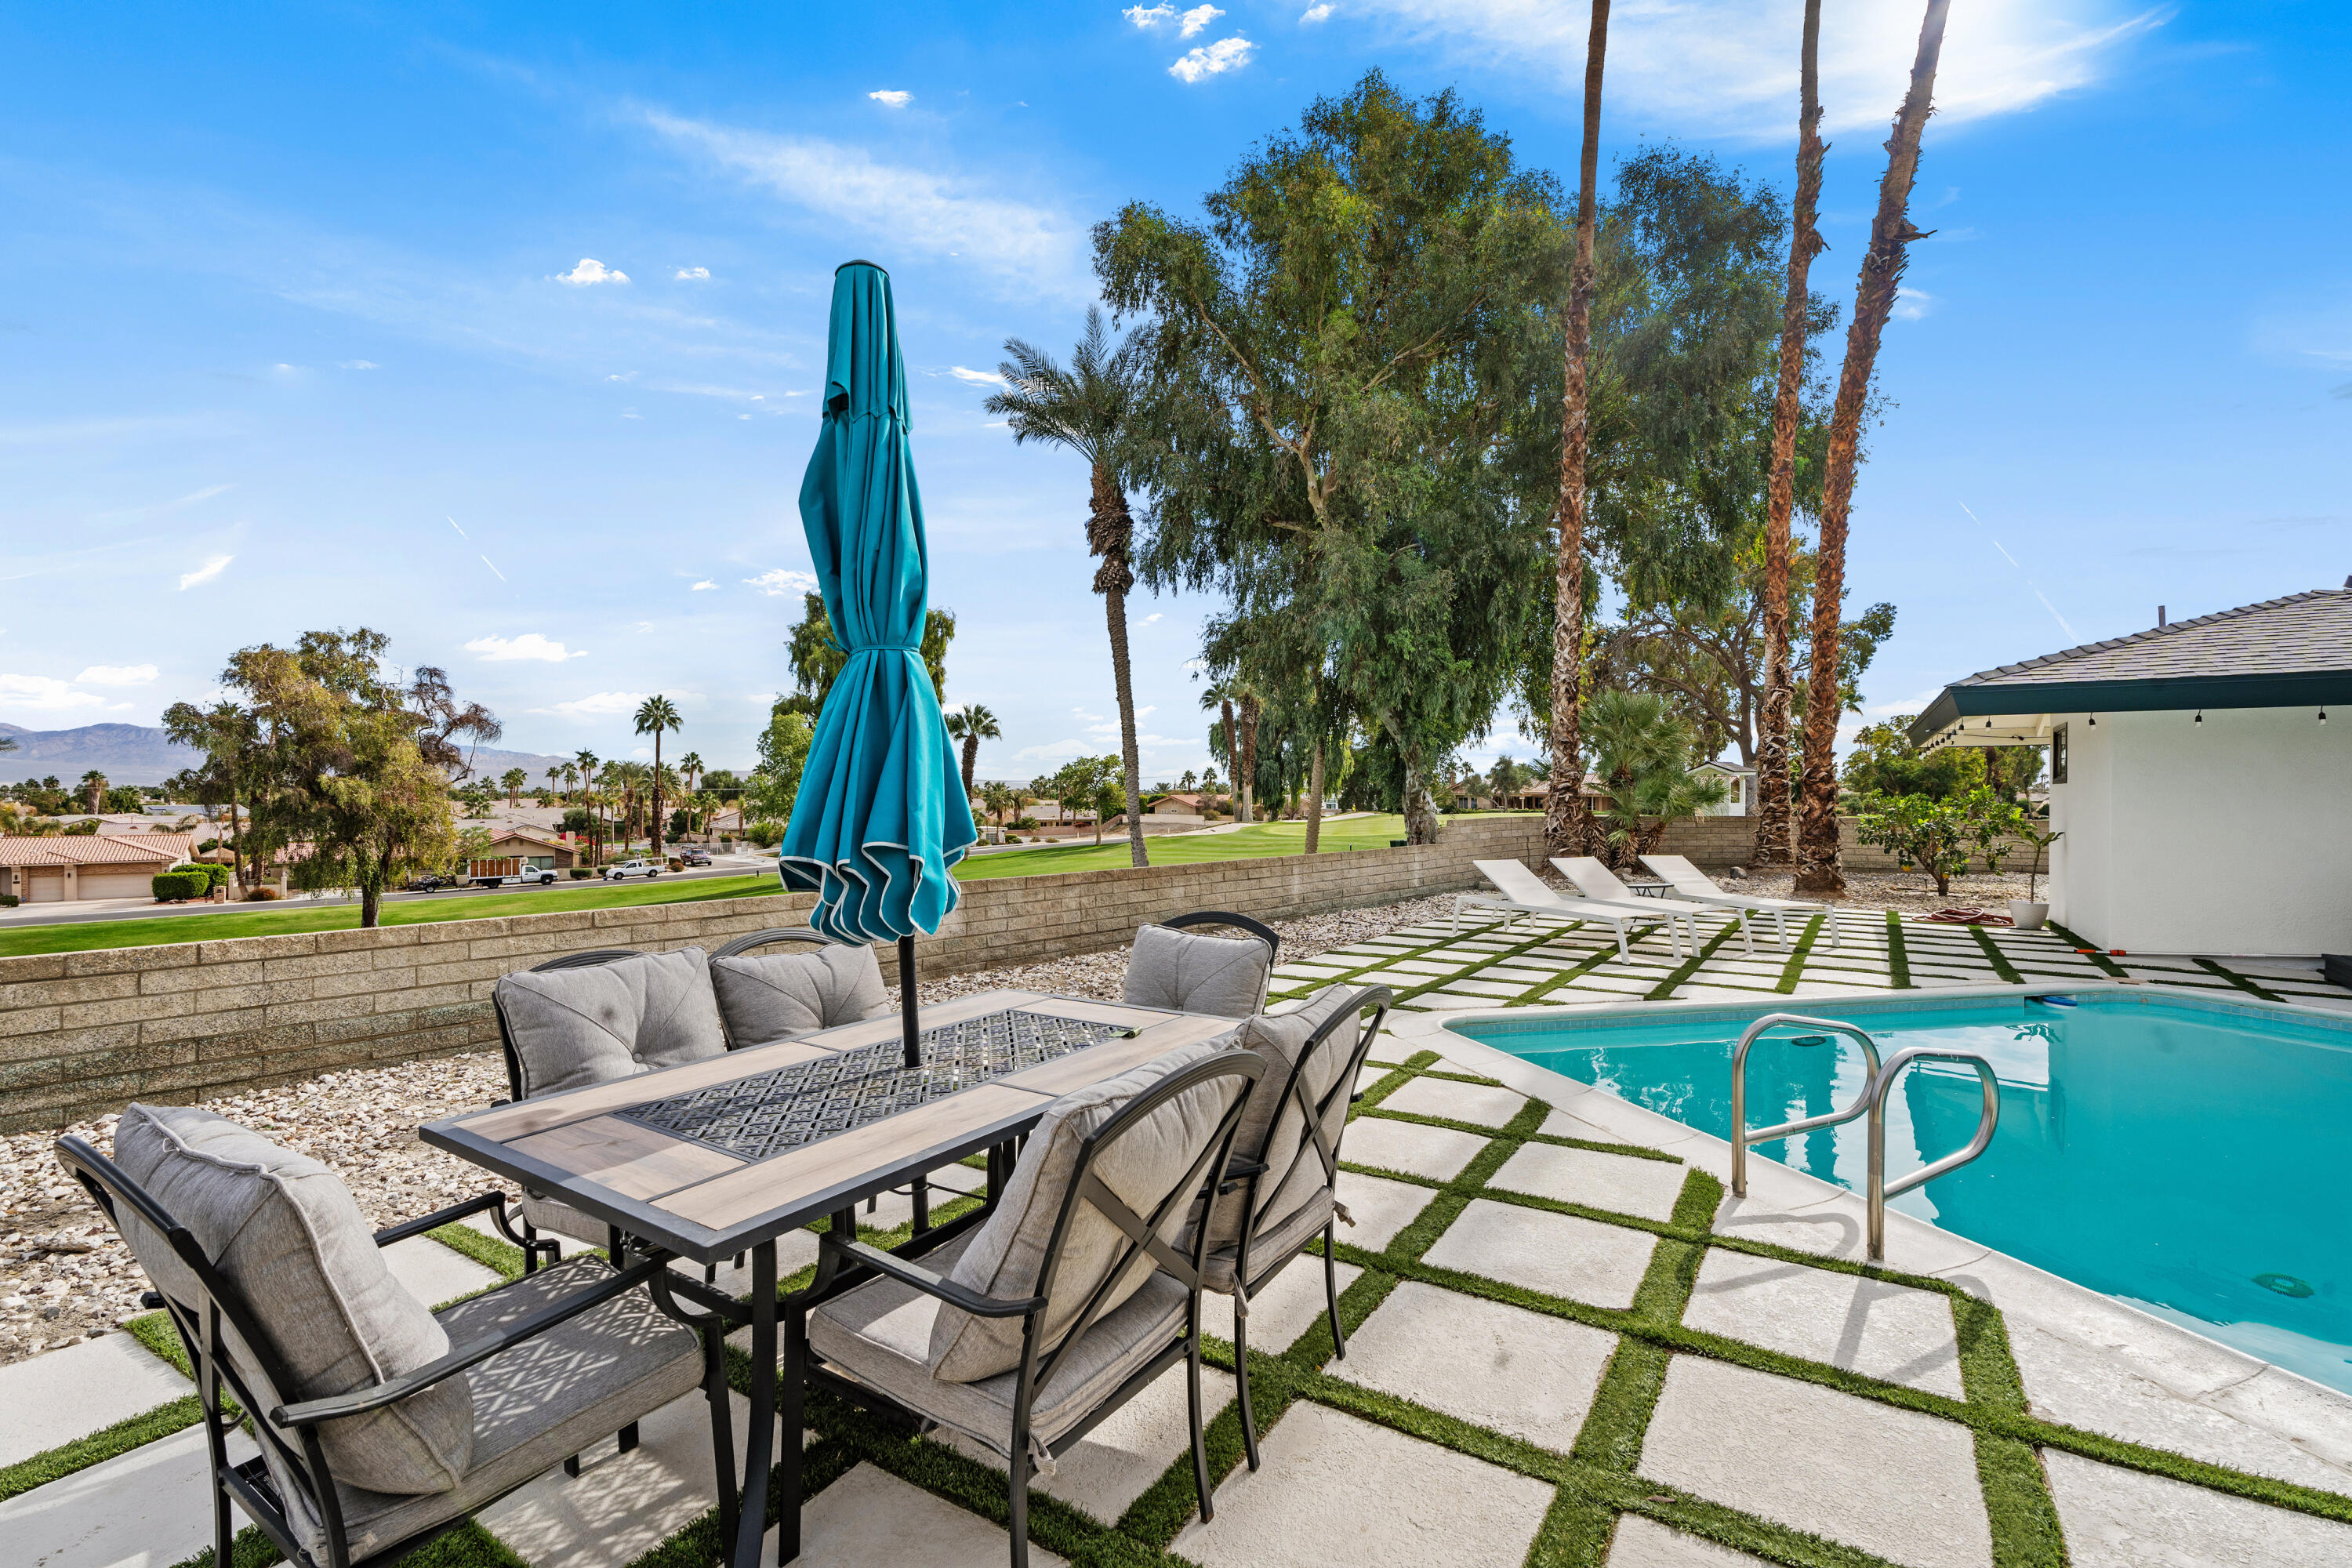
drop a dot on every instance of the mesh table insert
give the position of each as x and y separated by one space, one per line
771 1113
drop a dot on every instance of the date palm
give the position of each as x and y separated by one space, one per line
93 790
997 798
691 766
969 725
656 714
512 781
1088 408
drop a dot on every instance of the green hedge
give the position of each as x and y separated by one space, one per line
169 885
216 875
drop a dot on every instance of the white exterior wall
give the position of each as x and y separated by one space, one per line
2229 837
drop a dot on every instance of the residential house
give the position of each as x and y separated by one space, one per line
73 868
1739 792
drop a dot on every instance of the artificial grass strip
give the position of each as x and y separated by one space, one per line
155 1331
2001 963
1664 989
2243 982
1534 995
2018 1505
1898 954
1794 970
134 1432
2083 949
494 1253
467 1546
1385 961
1631 1150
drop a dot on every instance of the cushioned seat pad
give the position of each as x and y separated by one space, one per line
536 1404
1271 1247
880 1333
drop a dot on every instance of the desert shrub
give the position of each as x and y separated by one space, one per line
766 835
8 901
171 886
263 895
213 872
580 873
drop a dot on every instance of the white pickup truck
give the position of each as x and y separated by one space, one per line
649 869
507 871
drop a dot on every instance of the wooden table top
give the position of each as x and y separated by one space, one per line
705 1203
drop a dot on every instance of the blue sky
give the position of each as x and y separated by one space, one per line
496 328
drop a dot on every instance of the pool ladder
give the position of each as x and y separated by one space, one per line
1871 1101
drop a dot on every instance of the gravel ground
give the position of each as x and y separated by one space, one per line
63 1275
1910 891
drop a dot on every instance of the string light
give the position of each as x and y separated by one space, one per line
2095 721
2200 715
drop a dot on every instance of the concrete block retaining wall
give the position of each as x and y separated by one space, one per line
84 1033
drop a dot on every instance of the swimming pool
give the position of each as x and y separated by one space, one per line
2183 1155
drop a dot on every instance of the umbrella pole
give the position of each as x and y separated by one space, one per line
910 1033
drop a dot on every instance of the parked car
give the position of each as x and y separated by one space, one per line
693 857
649 869
428 882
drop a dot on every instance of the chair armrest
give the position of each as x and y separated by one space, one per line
1239 1169
928 1283
310 1412
440 1217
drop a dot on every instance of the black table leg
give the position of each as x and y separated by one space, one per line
919 1191
759 1442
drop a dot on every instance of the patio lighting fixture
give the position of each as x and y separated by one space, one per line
2200 715
2323 715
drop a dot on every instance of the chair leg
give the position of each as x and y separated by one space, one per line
1242 1378
571 1466
1017 1499
723 1432
1747 937
629 1437
1200 1443
529 1249
1331 1290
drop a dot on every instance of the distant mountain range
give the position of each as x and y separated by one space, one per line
141 754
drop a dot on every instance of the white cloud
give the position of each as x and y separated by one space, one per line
596 704
706 585
205 573
591 270
44 694
1710 67
1150 618
357 365
690 275
529 646
977 377
1315 14
641 752
1911 304
1150 17
920 210
892 98
781 582
117 675
1214 59
644 627
1198 17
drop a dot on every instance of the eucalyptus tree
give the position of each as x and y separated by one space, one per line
1347 425
654 715
817 657
1090 409
1818 869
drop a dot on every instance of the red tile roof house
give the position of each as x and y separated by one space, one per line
75 867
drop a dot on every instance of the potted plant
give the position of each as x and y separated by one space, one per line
2025 913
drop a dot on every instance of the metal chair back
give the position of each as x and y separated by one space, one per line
739 945
1315 1137
1257 929
568 961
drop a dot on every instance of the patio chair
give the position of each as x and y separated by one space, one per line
1280 1187
591 1018
783 996
382 1426
1691 883
1595 880
1026 1331
1522 892
1183 973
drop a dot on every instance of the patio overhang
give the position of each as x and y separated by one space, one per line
2022 712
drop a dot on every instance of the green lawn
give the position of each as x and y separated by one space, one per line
83 936
1184 849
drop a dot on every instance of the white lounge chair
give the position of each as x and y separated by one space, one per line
1595 880
1689 882
1522 892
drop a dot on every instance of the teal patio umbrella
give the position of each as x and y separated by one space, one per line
881 812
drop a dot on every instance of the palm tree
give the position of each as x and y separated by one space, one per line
1643 753
1891 233
691 766
93 790
587 762
1219 696
514 779
656 714
1087 409
972 724
1567 823
997 799
555 779
1771 847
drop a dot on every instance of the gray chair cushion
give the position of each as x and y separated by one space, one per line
285 1232
557 1217
1142 1167
573 1028
1187 973
766 997
534 1404
1270 1248
880 1333
1273 1128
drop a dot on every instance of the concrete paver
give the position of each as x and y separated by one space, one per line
1645 1543
2115 1518
1558 1254
621 1506
150 1508
51 1399
871 1518
1517 1372
1437 1152
1283 1310
1868 1326
1379 1207
1471 1102
1620 1183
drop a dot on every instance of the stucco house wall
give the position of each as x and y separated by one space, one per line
2229 837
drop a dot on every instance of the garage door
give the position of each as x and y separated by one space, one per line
113 883
45 888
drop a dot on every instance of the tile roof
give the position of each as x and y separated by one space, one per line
2302 634
79 849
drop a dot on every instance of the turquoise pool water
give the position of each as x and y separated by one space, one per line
2183 1155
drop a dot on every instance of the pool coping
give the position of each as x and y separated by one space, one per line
2184 1365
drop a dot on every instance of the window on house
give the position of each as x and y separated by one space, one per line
2058 755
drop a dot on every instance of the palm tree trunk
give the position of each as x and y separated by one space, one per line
1819 870
1110 528
656 824
1771 804
1249 755
970 761
1565 828
1232 753
1315 798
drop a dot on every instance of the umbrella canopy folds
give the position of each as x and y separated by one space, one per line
881 812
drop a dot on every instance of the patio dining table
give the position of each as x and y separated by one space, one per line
721 1157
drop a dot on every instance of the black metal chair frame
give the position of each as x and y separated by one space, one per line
292 1431
1252 1174
858 1262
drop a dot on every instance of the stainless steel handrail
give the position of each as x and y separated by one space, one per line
1741 1137
1880 1188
